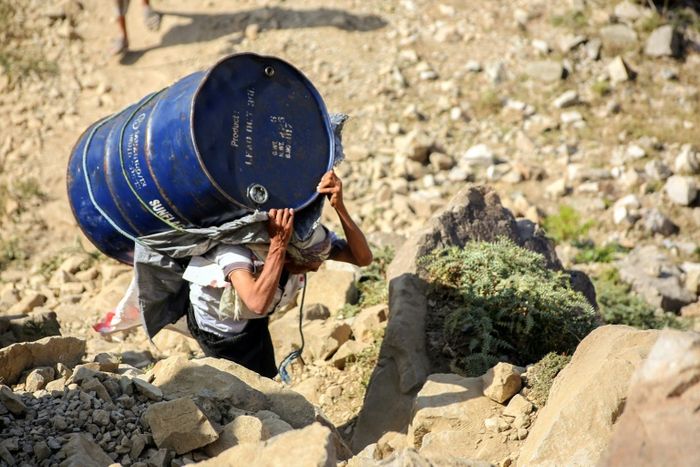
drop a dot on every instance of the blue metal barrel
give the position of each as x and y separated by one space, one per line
250 133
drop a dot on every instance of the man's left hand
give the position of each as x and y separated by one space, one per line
332 186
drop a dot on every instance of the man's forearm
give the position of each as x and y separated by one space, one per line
357 242
258 293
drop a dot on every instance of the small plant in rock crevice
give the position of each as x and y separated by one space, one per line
491 302
371 284
540 376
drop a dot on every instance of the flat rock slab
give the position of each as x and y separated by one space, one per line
310 446
49 351
179 425
81 452
224 380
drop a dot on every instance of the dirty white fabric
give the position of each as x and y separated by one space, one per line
208 286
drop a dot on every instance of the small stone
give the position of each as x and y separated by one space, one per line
541 46
521 421
473 66
593 49
569 43
628 11
635 152
619 71
100 417
496 72
59 422
30 301
501 382
252 31
6 456
656 222
441 161
663 42
571 117
38 378
681 190
688 161
567 99
618 36
518 405
557 189
545 70
41 450
108 362
479 155
12 401
657 170
144 388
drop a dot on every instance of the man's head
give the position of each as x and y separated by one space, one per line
310 254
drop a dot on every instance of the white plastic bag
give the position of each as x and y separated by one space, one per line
125 316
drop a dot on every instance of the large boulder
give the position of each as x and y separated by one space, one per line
661 421
474 214
49 351
223 380
332 288
448 416
586 399
310 446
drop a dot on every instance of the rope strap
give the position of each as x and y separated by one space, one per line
284 375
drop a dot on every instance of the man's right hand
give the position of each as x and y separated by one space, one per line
280 225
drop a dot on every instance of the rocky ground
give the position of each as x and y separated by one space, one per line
583 116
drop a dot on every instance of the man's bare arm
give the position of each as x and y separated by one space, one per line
258 292
356 251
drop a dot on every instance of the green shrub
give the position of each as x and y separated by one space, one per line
493 302
620 305
540 376
590 253
371 284
566 225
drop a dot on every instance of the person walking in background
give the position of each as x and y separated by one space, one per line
151 19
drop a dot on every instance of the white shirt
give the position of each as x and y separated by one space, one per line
208 274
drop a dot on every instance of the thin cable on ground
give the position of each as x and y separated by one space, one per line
284 375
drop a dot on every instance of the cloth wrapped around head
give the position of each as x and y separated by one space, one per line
316 248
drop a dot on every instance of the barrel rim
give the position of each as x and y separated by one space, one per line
314 93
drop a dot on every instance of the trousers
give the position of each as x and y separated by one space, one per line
251 348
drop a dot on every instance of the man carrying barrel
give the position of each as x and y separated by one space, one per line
234 288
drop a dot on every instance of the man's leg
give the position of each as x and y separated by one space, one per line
151 18
251 348
121 43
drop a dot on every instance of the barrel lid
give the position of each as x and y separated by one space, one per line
262 132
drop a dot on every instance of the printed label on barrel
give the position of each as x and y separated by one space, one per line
132 162
282 146
163 213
